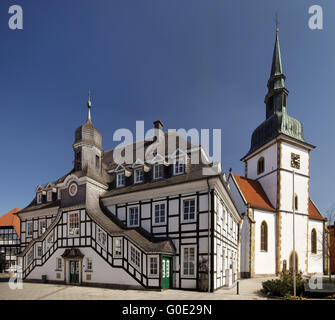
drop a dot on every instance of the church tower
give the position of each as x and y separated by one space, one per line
278 154
87 146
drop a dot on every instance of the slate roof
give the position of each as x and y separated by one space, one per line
253 193
11 220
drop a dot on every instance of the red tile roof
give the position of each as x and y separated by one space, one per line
313 211
253 193
9 219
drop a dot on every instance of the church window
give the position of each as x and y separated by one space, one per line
133 217
117 247
97 162
74 224
314 241
77 161
284 100
260 165
264 236
120 179
296 202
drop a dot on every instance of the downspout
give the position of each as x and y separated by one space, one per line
209 238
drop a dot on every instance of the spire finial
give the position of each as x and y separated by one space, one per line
89 104
277 22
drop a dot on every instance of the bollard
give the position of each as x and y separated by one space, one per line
238 287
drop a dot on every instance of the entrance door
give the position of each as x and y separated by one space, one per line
166 272
74 271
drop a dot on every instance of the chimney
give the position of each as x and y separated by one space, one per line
158 124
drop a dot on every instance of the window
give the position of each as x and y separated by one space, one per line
264 236
59 194
158 171
58 264
89 264
135 257
159 212
43 226
74 224
314 241
179 167
78 160
153 266
101 237
97 162
39 251
260 165
138 176
117 248
133 217
49 195
30 257
188 261
296 202
50 240
120 180
189 210
29 228
39 198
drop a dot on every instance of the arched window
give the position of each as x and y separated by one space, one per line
264 236
313 241
260 165
296 262
296 206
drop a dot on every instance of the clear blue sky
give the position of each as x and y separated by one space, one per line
190 63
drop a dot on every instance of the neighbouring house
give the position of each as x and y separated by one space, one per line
9 240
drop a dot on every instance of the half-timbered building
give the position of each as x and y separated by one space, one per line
157 223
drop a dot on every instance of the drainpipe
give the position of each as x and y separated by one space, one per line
209 238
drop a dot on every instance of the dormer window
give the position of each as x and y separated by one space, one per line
39 197
179 167
138 176
260 165
158 171
120 180
49 195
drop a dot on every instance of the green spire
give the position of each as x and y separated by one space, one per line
276 68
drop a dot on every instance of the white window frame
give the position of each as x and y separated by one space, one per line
150 274
115 255
123 181
138 216
59 264
49 195
183 260
177 165
40 231
32 228
136 174
99 235
39 197
130 257
89 264
70 234
160 169
183 210
160 223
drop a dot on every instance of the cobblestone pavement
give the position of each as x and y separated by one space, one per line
249 290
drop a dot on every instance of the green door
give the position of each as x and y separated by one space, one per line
166 272
74 271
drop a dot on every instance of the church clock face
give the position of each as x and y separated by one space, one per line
295 160
73 188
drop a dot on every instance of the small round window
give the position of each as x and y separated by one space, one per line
73 188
